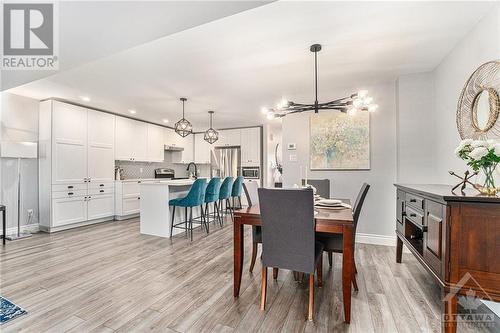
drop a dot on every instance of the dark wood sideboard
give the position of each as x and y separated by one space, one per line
456 237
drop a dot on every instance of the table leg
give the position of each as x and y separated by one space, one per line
450 310
399 250
238 255
4 226
347 268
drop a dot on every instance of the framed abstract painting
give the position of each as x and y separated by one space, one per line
339 141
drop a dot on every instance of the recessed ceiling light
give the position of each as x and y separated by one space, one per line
132 111
85 98
165 121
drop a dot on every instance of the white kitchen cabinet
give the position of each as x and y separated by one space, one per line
69 143
69 210
228 138
100 206
76 155
101 138
201 150
155 147
127 199
250 146
170 138
131 140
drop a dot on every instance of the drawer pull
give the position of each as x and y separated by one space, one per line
101 191
413 215
70 187
138 198
413 200
101 185
70 193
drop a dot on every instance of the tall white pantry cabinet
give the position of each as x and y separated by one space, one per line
76 165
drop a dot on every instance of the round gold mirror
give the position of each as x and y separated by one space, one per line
479 104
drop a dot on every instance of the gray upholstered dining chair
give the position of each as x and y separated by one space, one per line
250 189
333 242
322 186
288 236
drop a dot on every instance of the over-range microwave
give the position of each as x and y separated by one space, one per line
250 172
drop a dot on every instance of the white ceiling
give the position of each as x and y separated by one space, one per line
237 64
89 30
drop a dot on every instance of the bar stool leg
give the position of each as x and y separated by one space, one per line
191 222
172 225
186 221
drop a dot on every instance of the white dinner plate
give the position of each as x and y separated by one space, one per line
329 202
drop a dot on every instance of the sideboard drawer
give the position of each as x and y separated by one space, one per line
415 216
415 201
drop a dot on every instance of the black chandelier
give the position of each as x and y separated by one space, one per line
211 135
351 104
183 127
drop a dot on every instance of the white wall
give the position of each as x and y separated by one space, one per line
19 122
377 217
415 128
482 44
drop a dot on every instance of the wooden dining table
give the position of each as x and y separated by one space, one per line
327 221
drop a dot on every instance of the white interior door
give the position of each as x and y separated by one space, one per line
101 139
69 158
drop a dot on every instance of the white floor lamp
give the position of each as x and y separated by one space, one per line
18 150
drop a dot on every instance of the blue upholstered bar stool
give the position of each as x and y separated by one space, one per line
212 196
224 195
236 191
194 198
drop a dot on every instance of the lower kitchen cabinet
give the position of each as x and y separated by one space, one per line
100 206
69 210
127 199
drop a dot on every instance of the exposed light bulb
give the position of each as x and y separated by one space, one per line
367 100
282 104
362 93
270 115
264 110
357 103
373 108
352 111
183 126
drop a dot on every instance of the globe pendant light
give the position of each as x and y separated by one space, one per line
211 135
183 127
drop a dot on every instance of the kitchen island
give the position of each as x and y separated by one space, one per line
154 209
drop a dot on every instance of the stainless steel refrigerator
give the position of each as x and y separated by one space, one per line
225 162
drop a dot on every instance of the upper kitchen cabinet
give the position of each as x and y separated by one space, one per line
250 146
228 138
182 149
187 154
155 146
101 138
131 140
201 149
69 141
170 138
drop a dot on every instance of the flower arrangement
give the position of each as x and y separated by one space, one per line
481 155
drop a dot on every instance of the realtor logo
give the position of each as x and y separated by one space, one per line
29 36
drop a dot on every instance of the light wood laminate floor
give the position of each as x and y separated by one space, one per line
109 277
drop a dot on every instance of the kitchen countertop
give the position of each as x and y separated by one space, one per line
171 182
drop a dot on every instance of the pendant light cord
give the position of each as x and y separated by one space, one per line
316 80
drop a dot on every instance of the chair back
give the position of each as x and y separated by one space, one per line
196 194
251 192
288 236
213 190
236 192
322 186
356 211
226 188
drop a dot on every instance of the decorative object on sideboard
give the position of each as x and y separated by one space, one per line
339 141
183 127
351 104
211 135
464 180
19 150
482 156
479 104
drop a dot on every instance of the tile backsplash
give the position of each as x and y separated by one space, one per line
132 170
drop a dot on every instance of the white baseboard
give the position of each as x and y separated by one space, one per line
32 228
376 239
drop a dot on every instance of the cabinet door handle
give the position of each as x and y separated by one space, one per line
70 187
413 200
413 215
101 185
138 198
70 193
101 191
